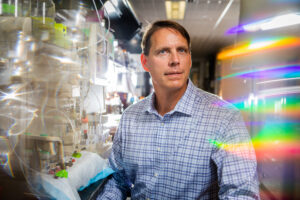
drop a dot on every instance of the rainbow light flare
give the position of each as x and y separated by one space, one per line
249 47
277 133
279 141
264 149
5 156
7 166
275 142
281 21
242 150
272 104
282 71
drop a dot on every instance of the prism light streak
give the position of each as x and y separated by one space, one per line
273 149
276 80
7 166
249 47
283 71
276 142
276 22
5 156
280 140
289 110
273 123
242 150
275 133
269 104
277 150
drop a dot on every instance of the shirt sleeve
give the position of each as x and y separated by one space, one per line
116 187
236 162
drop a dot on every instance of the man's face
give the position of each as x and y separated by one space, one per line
169 60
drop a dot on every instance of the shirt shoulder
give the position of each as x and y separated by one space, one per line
218 114
212 102
136 109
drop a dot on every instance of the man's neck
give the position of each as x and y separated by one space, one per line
166 101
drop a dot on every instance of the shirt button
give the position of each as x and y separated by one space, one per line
148 199
158 149
156 174
162 123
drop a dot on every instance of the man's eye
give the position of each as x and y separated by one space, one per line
182 50
162 51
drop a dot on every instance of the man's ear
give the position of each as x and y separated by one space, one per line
144 62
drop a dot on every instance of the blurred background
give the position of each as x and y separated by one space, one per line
69 68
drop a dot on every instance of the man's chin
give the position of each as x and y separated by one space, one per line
176 84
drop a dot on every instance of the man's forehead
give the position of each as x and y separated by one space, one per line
160 37
167 29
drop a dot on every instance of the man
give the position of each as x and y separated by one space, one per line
180 142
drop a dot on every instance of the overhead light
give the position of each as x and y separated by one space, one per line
115 43
223 14
111 8
175 9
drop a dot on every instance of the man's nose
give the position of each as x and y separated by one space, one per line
174 59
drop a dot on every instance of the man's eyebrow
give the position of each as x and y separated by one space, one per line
162 48
182 47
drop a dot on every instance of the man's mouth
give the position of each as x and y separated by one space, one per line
172 73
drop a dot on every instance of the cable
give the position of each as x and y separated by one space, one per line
43 108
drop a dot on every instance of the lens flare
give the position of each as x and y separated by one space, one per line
276 22
272 72
5 156
278 140
254 46
242 150
276 127
273 103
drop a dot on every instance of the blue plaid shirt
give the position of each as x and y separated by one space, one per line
199 150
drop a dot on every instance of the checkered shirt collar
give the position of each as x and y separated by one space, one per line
184 105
